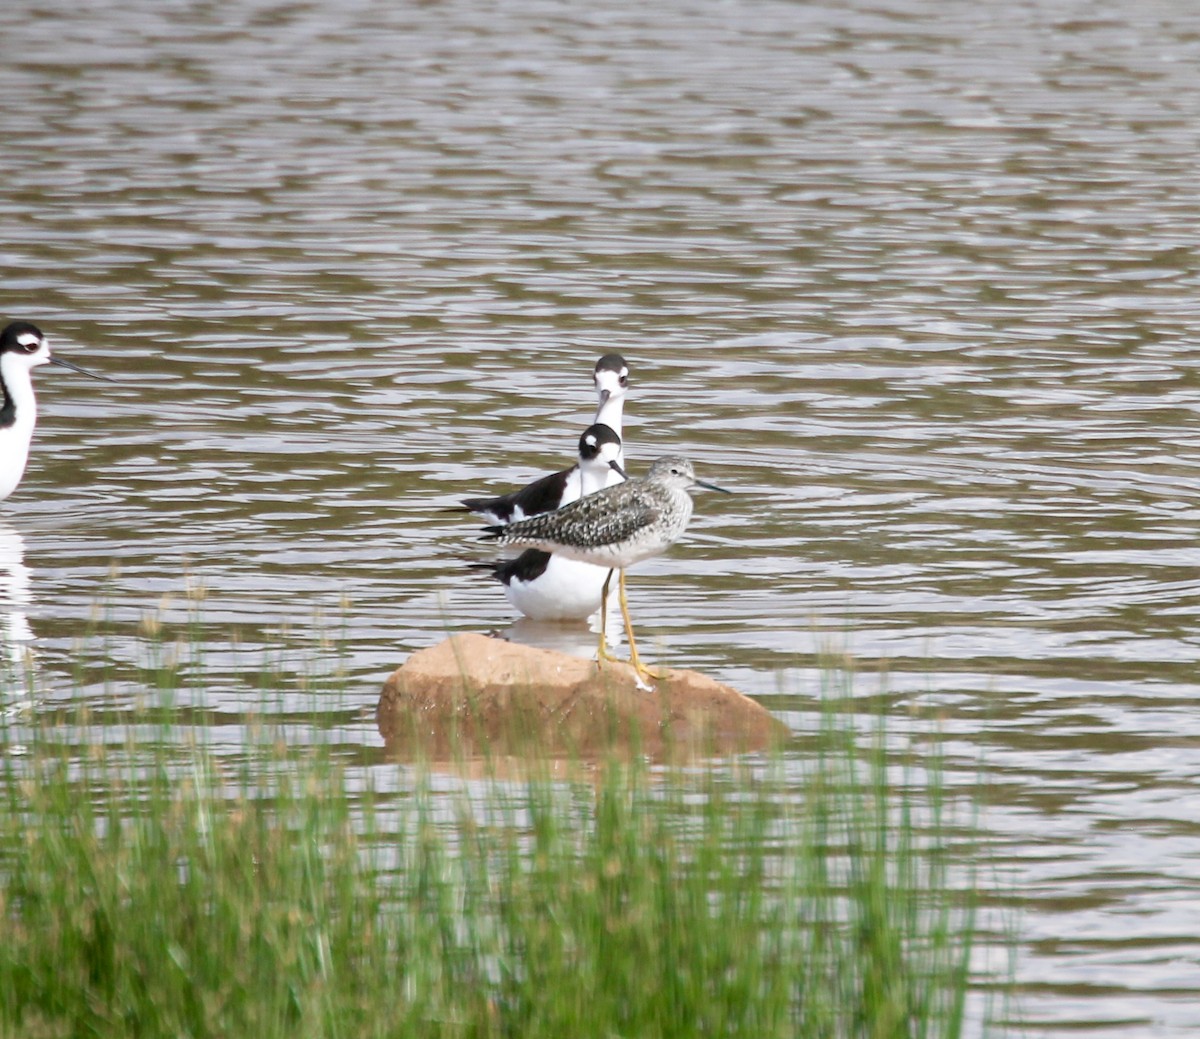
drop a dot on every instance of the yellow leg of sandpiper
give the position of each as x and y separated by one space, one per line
642 671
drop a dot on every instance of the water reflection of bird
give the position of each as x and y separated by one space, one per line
15 597
611 377
615 528
22 348
551 587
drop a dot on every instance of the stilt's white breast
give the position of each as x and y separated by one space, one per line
565 590
15 437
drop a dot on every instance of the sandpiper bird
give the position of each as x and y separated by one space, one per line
22 348
615 528
549 587
611 376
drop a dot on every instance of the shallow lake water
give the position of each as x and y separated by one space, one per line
917 280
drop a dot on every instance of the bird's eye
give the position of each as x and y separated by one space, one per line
28 344
623 379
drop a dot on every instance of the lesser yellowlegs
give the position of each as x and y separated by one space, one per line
615 528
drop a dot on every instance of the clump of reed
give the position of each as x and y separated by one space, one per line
149 889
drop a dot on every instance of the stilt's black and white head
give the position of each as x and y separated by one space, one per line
23 347
611 376
600 452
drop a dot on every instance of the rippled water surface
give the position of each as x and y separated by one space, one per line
918 280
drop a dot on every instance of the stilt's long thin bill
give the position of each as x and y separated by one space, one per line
55 360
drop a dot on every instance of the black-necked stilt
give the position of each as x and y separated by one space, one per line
615 528
22 348
548 587
611 377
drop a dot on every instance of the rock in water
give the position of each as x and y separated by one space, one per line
471 694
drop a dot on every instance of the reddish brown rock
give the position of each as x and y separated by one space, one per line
473 693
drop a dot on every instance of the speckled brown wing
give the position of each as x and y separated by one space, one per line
586 523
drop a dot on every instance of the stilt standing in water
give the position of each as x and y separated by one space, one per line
22 348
